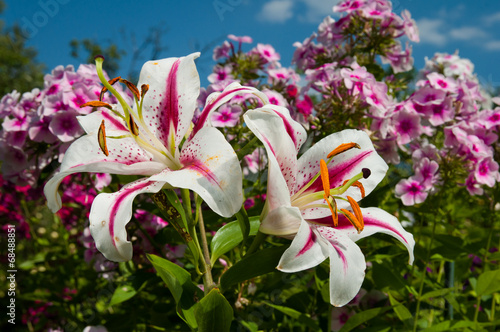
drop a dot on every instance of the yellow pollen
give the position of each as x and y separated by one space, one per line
342 148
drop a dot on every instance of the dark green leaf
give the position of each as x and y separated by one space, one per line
402 312
229 236
304 319
213 312
254 265
122 294
362 317
488 283
436 293
178 280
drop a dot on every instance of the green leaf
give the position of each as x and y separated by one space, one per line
362 317
386 277
213 312
488 283
402 312
304 319
178 280
436 293
122 294
251 266
229 236
244 223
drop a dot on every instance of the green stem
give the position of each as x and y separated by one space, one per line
421 288
247 148
258 239
208 281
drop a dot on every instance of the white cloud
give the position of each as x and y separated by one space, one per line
492 18
493 45
276 11
468 33
316 10
432 31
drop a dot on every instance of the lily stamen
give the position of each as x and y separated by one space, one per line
354 221
325 178
342 148
104 89
357 212
101 138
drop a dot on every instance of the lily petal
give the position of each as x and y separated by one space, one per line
169 104
379 221
217 99
281 221
211 169
347 266
109 215
85 155
308 249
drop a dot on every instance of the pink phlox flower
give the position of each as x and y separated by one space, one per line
221 73
438 81
241 39
486 172
305 52
267 53
254 162
226 116
329 31
282 75
349 6
410 26
275 98
490 118
8 103
340 316
101 180
65 126
39 130
356 75
400 61
305 106
407 126
472 186
427 95
411 191
376 95
427 171
222 51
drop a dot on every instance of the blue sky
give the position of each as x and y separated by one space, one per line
472 27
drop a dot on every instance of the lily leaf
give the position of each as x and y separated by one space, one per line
229 236
488 283
178 280
213 312
251 266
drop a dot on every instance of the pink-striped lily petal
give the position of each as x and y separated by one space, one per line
210 168
169 104
379 221
281 221
272 125
307 250
217 99
85 155
109 215
347 266
343 167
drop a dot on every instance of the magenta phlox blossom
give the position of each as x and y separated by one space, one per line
226 116
295 203
411 191
157 140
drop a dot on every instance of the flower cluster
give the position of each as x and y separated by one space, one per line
447 128
38 126
366 25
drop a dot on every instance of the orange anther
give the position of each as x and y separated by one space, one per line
354 221
342 148
101 138
357 184
325 177
104 89
144 89
96 103
134 129
131 86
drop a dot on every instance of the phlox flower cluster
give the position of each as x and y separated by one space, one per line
446 128
39 125
258 67
348 38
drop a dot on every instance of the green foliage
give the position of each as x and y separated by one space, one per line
19 69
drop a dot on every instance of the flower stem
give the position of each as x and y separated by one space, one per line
208 281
